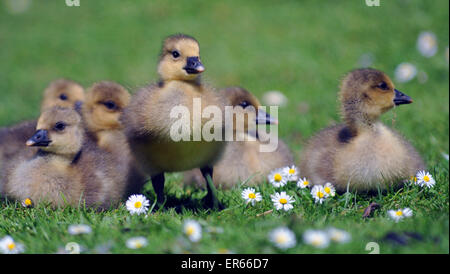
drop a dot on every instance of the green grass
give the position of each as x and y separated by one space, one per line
301 48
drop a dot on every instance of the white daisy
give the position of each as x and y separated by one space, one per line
338 235
291 173
274 98
399 214
316 238
283 238
250 196
424 178
318 193
193 230
9 246
329 190
136 242
79 229
405 72
137 204
27 202
427 44
303 183
277 178
282 201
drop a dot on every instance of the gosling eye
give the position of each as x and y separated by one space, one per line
244 104
383 86
63 97
60 126
175 54
110 105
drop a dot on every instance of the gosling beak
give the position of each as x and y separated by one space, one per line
401 98
194 66
39 139
263 118
78 105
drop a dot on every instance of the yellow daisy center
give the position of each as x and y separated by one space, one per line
11 246
327 190
277 177
426 178
305 183
281 238
137 204
291 171
283 201
320 194
190 230
399 213
252 195
316 241
27 202
138 244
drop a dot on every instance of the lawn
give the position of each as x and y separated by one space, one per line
301 48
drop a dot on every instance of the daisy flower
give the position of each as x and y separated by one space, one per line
193 230
424 178
303 183
8 246
291 173
283 237
282 201
137 204
274 98
316 238
399 214
79 229
277 178
250 196
405 72
318 193
338 235
329 190
427 44
136 242
27 202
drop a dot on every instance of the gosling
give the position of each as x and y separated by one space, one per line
362 154
101 110
242 161
147 119
67 169
60 92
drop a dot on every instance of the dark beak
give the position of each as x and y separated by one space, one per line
263 118
78 105
194 66
401 98
39 139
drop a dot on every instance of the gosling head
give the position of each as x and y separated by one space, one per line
244 102
63 93
58 131
367 93
104 104
180 59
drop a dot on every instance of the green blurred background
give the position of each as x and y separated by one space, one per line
301 48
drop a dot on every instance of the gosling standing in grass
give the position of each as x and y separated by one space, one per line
67 169
242 161
362 153
148 124
105 102
60 92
